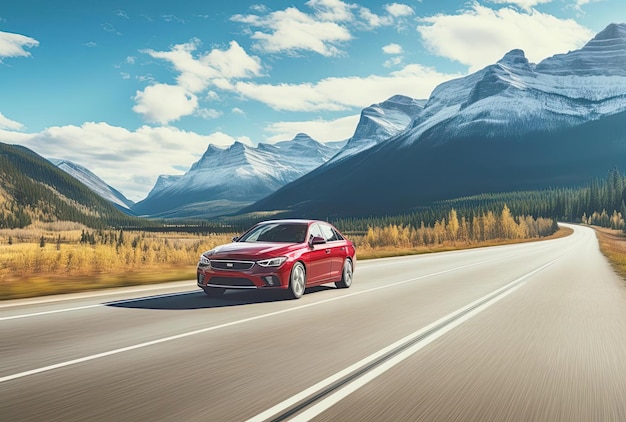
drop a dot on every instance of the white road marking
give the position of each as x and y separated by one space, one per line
228 324
97 305
88 295
354 385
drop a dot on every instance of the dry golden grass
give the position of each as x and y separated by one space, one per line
27 269
613 246
385 252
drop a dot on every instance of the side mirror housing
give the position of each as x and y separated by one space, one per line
317 240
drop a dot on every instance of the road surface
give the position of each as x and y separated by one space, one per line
528 332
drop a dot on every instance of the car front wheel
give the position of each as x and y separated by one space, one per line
346 275
297 281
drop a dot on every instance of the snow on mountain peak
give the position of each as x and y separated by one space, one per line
515 58
604 55
611 32
238 173
93 182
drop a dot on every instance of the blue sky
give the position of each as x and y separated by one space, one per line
136 89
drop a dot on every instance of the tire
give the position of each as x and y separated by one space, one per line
346 275
297 281
213 291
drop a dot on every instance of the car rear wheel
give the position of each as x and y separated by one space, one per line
213 291
346 275
297 281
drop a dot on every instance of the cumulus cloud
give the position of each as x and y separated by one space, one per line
130 161
14 45
320 130
336 94
324 31
392 49
6 123
291 30
399 10
164 103
480 36
524 4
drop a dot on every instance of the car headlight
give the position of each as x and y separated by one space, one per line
204 261
272 262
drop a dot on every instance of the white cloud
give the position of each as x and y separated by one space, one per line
162 103
208 113
394 61
334 94
392 49
524 4
14 45
480 36
130 161
399 10
320 130
291 30
332 10
6 123
373 20
237 110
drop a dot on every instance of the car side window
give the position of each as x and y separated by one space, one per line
338 235
328 233
315 231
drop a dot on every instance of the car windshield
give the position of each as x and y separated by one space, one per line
276 232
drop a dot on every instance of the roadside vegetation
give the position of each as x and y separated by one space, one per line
613 246
62 257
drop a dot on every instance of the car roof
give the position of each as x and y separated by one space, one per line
291 221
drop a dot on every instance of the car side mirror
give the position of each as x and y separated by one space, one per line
317 240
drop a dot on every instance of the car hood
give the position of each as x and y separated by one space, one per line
256 250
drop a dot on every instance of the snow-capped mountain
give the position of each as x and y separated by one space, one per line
93 182
514 95
380 122
510 126
228 178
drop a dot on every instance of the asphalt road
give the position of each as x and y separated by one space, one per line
529 332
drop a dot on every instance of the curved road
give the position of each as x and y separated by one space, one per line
534 331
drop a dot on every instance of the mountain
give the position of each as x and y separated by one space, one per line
32 188
94 183
510 126
226 179
380 122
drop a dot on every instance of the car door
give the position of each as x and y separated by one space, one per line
335 248
319 262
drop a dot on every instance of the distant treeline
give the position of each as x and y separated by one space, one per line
600 202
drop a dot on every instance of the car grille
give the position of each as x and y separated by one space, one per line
231 281
231 265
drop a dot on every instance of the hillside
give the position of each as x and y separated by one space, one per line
33 189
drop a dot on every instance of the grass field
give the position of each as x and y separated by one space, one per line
613 246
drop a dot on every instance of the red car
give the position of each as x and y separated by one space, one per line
281 254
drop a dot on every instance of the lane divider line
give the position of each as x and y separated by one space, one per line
97 305
87 295
328 392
